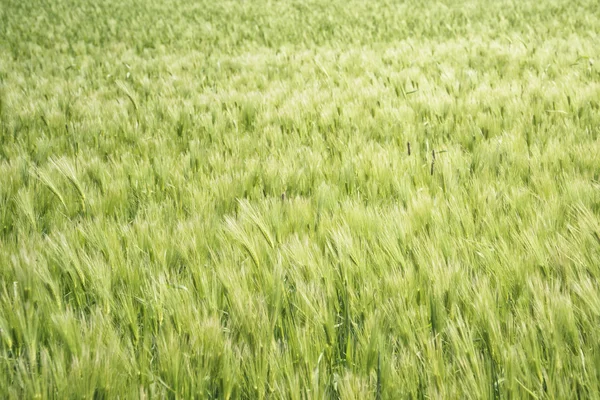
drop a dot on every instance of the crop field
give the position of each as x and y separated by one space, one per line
299 199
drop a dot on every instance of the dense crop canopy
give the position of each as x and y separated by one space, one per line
215 199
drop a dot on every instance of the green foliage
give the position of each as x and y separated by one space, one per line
214 199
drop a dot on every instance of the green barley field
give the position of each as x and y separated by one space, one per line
299 199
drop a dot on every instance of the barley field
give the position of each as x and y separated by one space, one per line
299 199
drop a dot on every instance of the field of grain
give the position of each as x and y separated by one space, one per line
299 199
